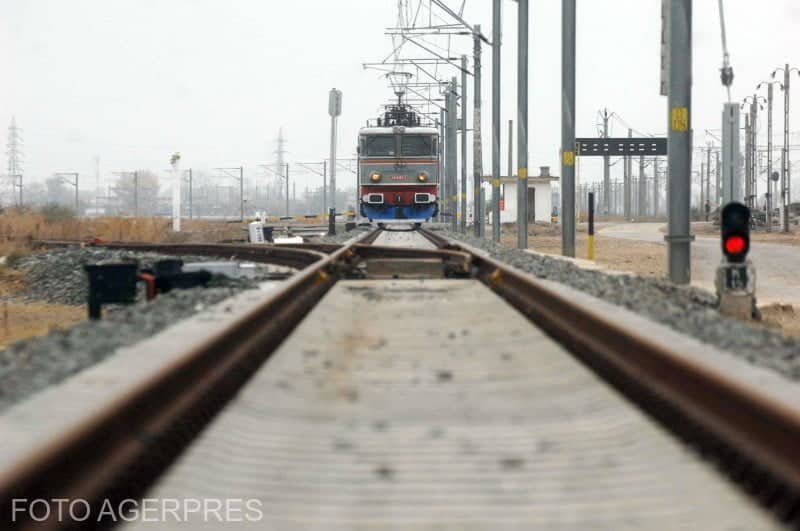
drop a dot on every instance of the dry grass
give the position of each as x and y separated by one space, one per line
21 321
22 226
784 317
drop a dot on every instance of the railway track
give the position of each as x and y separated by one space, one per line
402 388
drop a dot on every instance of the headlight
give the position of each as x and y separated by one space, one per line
375 177
422 177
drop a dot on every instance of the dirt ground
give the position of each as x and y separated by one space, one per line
641 258
791 238
783 316
20 321
648 259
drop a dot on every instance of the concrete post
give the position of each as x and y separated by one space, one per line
606 170
452 153
496 43
568 128
627 183
522 127
680 141
464 128
642 189
477 146
731 170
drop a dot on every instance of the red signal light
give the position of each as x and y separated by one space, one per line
735 245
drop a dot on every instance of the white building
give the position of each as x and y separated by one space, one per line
540 197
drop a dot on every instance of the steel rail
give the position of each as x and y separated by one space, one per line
284 255
754 436
117 453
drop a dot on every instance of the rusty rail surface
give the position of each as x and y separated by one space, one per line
740 425
116 454
119 453
295 257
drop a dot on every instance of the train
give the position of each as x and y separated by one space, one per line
398 167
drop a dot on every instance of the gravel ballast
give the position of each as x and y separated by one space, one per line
57 276
688 310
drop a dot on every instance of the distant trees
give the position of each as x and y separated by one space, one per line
136 193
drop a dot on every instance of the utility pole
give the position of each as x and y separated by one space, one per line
731 168
606 169
14 153
568 128
655 186
642 189
177 180
191 206
718 175
136 194
334 110
627 170
708 182
786 173
477 145
748 138
287 190
679 165
443 162
496 44
522 126
451 151
702 192
73 183
464 128
241 193
325 186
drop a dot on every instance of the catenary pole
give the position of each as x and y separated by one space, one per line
786 181
325 186
522 126
655 186
477 145
451 153
708 183
496 44
642 189
606 170
627 183
679 165
568 128
464 129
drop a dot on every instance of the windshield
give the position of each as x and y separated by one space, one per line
416 145
380 145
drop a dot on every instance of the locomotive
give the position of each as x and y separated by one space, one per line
398 162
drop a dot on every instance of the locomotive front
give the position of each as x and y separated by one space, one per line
399 172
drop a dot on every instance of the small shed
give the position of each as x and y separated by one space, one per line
540 197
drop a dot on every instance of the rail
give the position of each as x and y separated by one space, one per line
120 452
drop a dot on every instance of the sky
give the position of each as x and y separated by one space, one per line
132 81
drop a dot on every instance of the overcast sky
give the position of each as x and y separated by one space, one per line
132 81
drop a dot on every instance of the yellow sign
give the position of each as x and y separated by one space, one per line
496 183
680 119
568 158
522 173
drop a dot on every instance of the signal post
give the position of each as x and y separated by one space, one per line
736 276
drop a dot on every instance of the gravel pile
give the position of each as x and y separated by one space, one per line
34 364
688 310
57 276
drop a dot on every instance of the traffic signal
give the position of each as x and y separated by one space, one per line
735 224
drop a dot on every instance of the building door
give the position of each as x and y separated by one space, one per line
531 205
